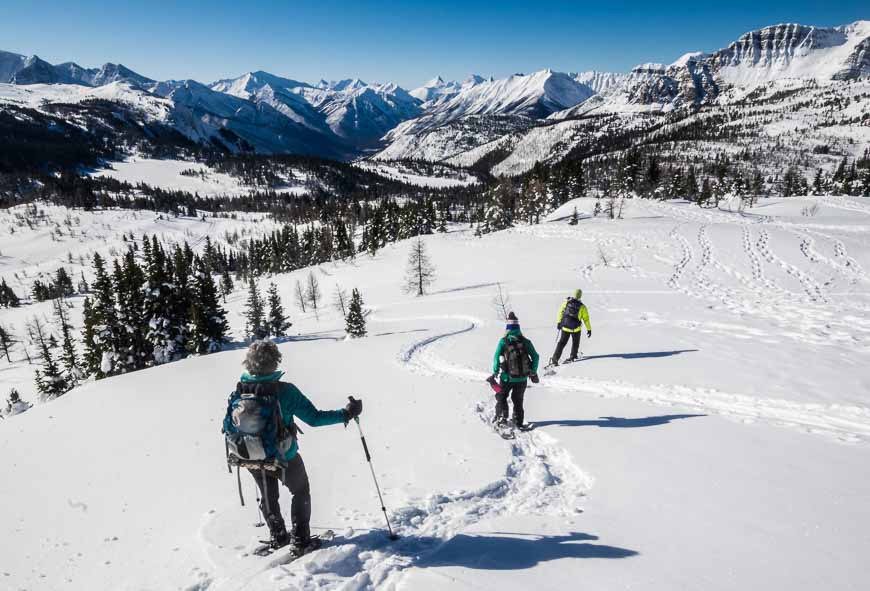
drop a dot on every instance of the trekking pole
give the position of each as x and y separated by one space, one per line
374 478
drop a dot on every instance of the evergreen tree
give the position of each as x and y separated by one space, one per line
160 305
209 329
574 218
7 340
420 272
226 284
105 324
8 299
818 183
499 212
49 381
136 352
355 323
254 315
277 322
63 285
68 357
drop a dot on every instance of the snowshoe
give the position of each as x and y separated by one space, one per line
525 427
314 543
503 428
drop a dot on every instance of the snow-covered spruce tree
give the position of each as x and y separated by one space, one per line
160 305
92 352
182 296
420 272
209 329
49 382
355 323
499 212
277 322
102 358
135 352
68 356
255 317
313 295
533 201
14 404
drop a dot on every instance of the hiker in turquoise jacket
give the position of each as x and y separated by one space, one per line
517 360
262 362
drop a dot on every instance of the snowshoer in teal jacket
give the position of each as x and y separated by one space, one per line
517 360
293 403
264 379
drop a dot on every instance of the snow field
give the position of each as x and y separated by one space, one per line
167 174
715 436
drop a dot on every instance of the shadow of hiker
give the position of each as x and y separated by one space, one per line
617 422
646 355
503 552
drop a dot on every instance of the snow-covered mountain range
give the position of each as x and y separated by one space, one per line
525 118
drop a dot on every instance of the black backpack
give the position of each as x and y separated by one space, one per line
517 362
570 317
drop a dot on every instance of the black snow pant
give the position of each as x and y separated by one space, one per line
563 340
295 478
516 390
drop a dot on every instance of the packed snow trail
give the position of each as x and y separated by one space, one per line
844 423
540 478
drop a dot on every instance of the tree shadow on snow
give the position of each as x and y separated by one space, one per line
386 334
617 422
645 355
503 552
463 288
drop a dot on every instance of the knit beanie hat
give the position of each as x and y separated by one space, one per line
513 323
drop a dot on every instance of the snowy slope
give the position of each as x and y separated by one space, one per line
719 422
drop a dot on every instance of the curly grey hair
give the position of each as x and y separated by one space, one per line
262 358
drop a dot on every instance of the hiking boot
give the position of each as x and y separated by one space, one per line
279 540
571 359
554 361
301 538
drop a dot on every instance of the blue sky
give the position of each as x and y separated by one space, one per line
405 42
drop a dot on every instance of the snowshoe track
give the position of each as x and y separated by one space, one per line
540 477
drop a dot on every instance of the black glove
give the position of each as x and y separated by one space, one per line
535 379
559 326
588 334
352 410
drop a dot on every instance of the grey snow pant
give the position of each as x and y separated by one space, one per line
295 478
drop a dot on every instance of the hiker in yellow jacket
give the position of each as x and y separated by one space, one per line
573 315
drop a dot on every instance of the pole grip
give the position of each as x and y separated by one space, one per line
366 449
